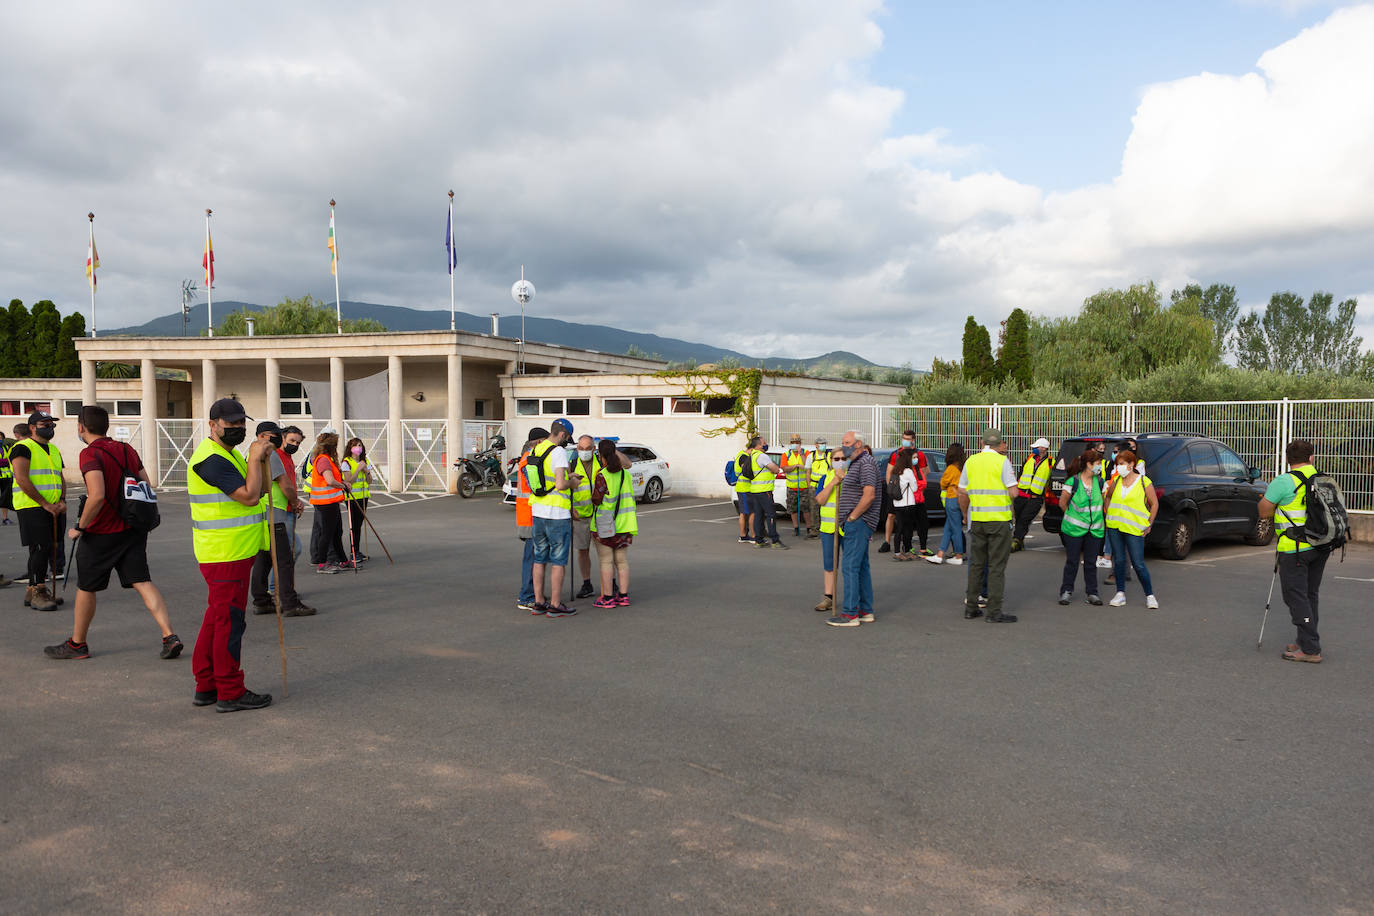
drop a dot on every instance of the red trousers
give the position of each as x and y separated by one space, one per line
215 660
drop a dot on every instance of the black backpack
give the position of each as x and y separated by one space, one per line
1328 523
746 466
137 503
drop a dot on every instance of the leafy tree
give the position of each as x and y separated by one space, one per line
905 375
116 370
1217 303
1014 356
66 362
47 327
6 346
1289 336
306 315
21 336
979 366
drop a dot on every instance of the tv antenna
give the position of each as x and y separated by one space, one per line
188 293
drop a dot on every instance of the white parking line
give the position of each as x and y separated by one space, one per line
715 521
678 508
1208 561
1346 578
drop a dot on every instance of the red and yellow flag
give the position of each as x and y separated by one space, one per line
92 261
208 261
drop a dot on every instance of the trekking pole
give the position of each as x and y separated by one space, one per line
70 555
56 555
269 522
352 552
1267 602
378 537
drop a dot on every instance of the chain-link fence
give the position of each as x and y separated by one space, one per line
1343 433
1250 428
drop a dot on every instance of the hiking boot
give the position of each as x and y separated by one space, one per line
171 647
842 620
605 601
586 591
263 608
885 548
299 609
203 698
43 599
246 700
1118 600
827 604
1001 618
1095 600
1065 597
562 610
327 569
812 535
68 649
1294 654
28 596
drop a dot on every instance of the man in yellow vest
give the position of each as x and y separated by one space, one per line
801 500
41 504
584 466
986 490
283 499
761 494
6 483
1030 497
228 512
1300 565
546 469
744 476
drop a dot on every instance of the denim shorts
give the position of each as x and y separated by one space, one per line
828 551
552 539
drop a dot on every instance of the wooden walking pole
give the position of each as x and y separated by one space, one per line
270 522
377 536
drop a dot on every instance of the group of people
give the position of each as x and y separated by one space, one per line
568 499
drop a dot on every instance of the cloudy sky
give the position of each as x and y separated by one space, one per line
784 177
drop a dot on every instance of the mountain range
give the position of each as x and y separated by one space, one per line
544 330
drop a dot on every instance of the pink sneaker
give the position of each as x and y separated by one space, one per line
622 601
604 602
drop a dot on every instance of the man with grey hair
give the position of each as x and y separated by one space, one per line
987 488
857 516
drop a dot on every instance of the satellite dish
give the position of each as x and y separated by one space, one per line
522 291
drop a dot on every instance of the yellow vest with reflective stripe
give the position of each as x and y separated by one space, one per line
582 494
988 499
763 478
534 469
742 483
222 530
795 470
1034 476
820 472
7 472
360 488
1128 512
616 514
1294 513
45 471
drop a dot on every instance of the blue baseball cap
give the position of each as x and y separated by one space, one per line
565 423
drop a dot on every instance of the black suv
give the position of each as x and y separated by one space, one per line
1204 488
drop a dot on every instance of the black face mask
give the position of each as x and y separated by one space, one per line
44 432
233 435
290 448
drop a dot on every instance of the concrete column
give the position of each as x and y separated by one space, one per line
336 395
88 381
455 417
395 448
555 369
147 375
209 384
272 370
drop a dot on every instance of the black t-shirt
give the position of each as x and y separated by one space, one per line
21 450
220 472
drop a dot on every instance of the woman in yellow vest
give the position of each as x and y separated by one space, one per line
357 478
744 475
1131 509
228 512
327 496
613 495
827 486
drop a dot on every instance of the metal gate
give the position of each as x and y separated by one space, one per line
376 441
424 448
176 443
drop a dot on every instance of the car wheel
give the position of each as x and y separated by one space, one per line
1263 534
1179 542
467 485
653 490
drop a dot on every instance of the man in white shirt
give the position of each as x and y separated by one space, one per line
552 517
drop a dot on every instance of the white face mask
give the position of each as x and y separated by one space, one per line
584 455
1094 468
842 464
907 443
1123 469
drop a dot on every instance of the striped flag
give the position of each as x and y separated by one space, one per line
208 261
333 252
448 242
92 260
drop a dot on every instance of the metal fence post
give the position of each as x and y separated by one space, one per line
1128 417
878 426
1285 431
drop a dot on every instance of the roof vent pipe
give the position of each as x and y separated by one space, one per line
495 325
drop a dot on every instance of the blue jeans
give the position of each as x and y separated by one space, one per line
1133 546
953 539
858 577
527 573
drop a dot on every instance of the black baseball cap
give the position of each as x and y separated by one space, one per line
40 415
267 426
539 432
228 409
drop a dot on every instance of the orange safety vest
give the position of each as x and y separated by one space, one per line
322 493
524 515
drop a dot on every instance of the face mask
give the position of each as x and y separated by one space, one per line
908 443
763 446
357 451
915 462
290 448
44 432
796 447
847 451
842 464
821 446
1094 468
1123 469
584 454
233 435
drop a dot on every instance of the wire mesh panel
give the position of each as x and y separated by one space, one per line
425 451
1250 428
818 421
176 443
373 434
1022 424
1343 434
937 426
477 435
130 433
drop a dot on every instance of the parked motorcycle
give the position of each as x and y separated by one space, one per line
482 469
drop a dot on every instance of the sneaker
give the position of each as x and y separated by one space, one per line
622 600
5 581
8 521
538 608
1104 563
1065 597
246 700
327 569
1294 654
523 605
1151 602
203 698
561 610
842 620
982 602
171 647
780 545
885 548
812 536
867 617
937 560
1118 600
746 540
762 545
586 591
1016 545
68 649
954 561
927 553
1095 600
826 604
299 609
263 608
972 613
1001 618
346 564
605 601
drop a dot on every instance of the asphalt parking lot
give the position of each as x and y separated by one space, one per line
712 748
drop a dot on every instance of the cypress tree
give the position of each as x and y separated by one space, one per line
21 337
1014 359
979 367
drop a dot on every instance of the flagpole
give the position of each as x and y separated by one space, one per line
209 286
338 312
452 256
91 259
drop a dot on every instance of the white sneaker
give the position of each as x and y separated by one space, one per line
955 561
1119 600
937 560
1104 563
1151 603
1028 537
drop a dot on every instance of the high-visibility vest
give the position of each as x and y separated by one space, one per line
1035 474
616 514
582 494
988 499
1294 513
820 474
742 482
222 529
7 472
795 470
359 488
534 471
323 493
524 517
762 481
1082 509
45 470
1128 512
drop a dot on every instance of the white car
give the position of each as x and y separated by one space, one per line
649 473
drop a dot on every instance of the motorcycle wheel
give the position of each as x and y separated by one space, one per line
500 478
467 485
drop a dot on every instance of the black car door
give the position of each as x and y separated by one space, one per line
1211 491
1244 511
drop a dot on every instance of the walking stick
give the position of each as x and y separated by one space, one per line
55 554
1265 618
70 555
352 551
377 536
839 574
270 523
